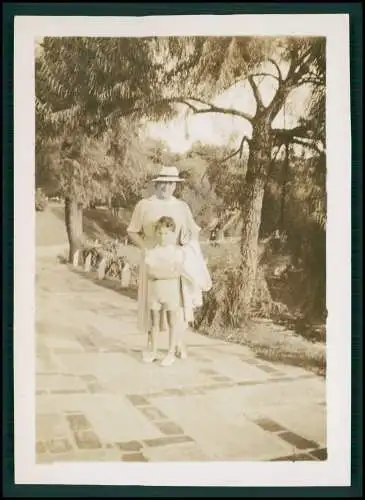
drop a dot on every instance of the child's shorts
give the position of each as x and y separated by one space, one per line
164 294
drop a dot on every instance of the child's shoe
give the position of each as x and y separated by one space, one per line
169 360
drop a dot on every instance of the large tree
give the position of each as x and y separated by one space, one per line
84 87
201 68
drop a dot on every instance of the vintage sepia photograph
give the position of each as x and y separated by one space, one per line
180 218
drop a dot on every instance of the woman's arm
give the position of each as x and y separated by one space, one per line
137 240
135 226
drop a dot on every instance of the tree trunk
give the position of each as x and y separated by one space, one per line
230 301
73 219
251 208
284 187
109 202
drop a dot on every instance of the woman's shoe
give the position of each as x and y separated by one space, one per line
181 352
149 356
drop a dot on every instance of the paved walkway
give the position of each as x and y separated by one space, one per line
96 400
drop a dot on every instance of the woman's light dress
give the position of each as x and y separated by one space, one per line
145 215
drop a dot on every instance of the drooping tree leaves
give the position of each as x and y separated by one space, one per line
85 87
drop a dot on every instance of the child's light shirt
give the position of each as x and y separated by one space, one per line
164 262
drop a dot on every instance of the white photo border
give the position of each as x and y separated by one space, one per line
333 472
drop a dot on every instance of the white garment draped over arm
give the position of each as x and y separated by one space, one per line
195 275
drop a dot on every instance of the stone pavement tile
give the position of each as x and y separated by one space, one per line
292 370
111 420
303 418
58 340
238 370
58 383
134 457
320 454
269 425
82 456
45 404
112 327
267 368
117 421
221 378
87 439
41 392
51 426
43 327
167 440
220 437
184 452
115 367
46 361
203 359
130 446
169 428
209 371
298 441
192 338
152 378
241 351
86 343
270 394
153 414
45 364
59 445
41 447
137 400
298 457
78 421
91 455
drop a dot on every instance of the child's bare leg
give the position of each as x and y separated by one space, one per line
163 321
181 350
151 353
172 322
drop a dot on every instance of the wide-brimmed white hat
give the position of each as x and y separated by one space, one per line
168 174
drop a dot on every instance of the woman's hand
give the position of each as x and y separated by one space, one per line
137 240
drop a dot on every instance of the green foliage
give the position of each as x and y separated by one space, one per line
87 83
85 88
107 251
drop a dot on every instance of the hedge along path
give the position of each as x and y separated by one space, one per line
105 259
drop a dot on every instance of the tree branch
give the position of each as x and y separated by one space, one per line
291 132
274 63
298 135
239 150
310 145
266 74
211 107
314 80
256 93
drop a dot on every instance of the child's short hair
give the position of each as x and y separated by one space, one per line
167 222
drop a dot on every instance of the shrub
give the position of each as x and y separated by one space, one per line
41 200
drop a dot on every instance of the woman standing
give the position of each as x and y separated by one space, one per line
141 232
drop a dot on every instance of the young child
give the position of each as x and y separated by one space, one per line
164 266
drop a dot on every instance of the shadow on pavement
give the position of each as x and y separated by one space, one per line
109 284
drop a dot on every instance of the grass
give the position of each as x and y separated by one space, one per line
273 343
98 223
287 341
